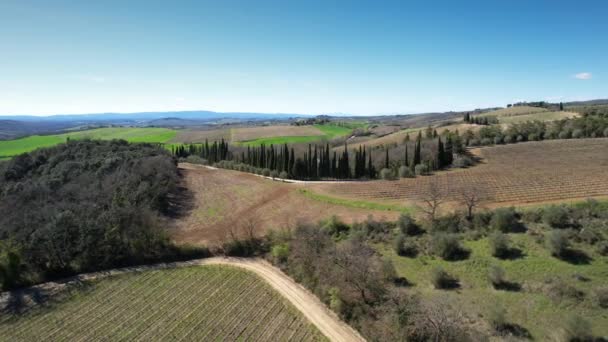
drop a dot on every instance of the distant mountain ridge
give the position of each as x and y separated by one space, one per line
146 116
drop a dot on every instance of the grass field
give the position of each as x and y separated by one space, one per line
10 148
507 175
326 132
535 306
514 111
204 303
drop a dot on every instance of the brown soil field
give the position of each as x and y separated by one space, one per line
228 202
527 173
199 136
251 133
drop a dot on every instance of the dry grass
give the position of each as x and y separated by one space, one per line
228 202
534 172
252 133
514 111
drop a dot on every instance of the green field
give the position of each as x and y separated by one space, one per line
10 148
533 306
197 303
360 204
329 132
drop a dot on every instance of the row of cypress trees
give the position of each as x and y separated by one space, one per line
318 162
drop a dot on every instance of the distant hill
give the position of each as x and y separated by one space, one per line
147 116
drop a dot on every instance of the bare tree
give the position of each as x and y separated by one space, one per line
470 197
250 227
433 198
438 319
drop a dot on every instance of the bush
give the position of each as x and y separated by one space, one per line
557 243
577 133
602 248
462 162
405 172
555 216
266 172
499 244
601 297
497 140
403 247
447 246
504 220
334 227
421 169
442 279
274 174
578 329
283 175
407 225
496 276
606 132
564 135
387 174
192 159
280 252
486 141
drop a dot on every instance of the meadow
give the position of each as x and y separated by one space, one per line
543 291
205 303
10 148
327 132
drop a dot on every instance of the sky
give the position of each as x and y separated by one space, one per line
309 57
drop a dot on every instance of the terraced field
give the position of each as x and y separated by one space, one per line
10 148
534 172
209 303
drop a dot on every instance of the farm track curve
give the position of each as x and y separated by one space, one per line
308 304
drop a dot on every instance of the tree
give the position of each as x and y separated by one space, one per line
432 198
386 160
470 197
561 106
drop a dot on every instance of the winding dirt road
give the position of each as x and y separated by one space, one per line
311 307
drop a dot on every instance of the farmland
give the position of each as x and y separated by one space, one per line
190 303
524 113
533 172
299 134
227 202
154 135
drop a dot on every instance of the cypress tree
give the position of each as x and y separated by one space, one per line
386 160
405 160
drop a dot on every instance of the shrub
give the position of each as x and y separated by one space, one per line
266 172
387 174
564 135
442 279
486 141
504 220
421 169
334 227
532 137
499 244
520 138
403 247
509 139
283 175
555 216
462 162
407 225
578 329
280 252
606 132
577 133
496 276
557 243
274 174
446 246
602 248
196 160
497 140
601 296
405 172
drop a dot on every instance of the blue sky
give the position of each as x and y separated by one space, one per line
359 57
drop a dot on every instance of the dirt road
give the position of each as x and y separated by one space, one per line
311 307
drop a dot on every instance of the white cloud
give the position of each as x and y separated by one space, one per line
583 76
